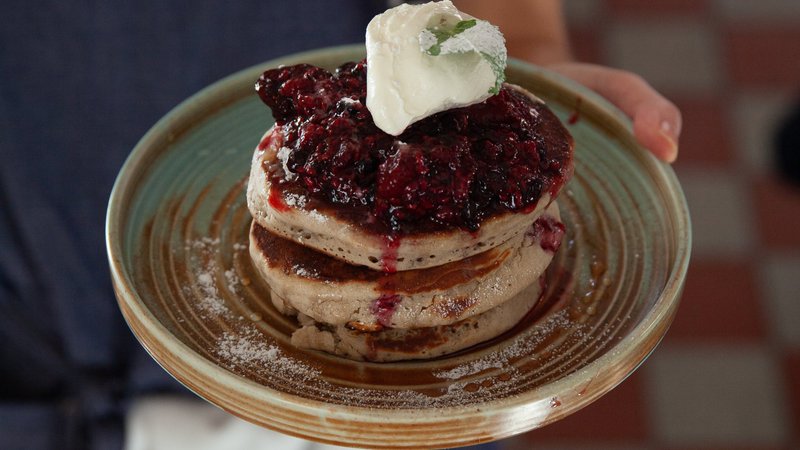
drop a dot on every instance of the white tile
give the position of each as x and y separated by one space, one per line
780 285
673 55
168 422
585 446
755 118
720 210
760 11
716 395
582 12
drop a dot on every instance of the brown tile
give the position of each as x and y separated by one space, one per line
727 447
657 7
618 416
585 44
778 214
792 370
761 11
720 302
706 134
763 55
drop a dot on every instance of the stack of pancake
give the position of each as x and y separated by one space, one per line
382 297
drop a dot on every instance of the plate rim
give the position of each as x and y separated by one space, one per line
530 403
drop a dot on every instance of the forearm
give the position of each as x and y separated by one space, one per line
534 29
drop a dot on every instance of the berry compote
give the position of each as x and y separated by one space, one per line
453 169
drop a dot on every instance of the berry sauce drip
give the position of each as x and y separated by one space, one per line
384 307
575 115
276 201
389 257
453 169
550 232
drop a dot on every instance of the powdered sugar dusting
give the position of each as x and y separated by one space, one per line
349 101
283 157
246 348
295 200
466 383
202 243
233 280
250 349
523 345
304 271
483 38
209 277
210 301
318 216
215 290
471 368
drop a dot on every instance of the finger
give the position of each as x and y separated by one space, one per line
656 129
656 121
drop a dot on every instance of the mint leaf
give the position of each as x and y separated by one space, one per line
464 25
443 35
485 39
499 68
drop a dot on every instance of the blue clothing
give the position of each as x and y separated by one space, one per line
80 83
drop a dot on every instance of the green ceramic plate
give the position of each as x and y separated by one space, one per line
177 238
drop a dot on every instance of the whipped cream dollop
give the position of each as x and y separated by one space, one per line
428 58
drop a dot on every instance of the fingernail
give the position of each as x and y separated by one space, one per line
672 146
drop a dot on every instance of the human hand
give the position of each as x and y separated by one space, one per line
656 121
535 31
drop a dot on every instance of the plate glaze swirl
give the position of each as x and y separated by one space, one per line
177 242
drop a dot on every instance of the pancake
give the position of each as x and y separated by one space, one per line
294 215
412 246
417 343
349 241
334 292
